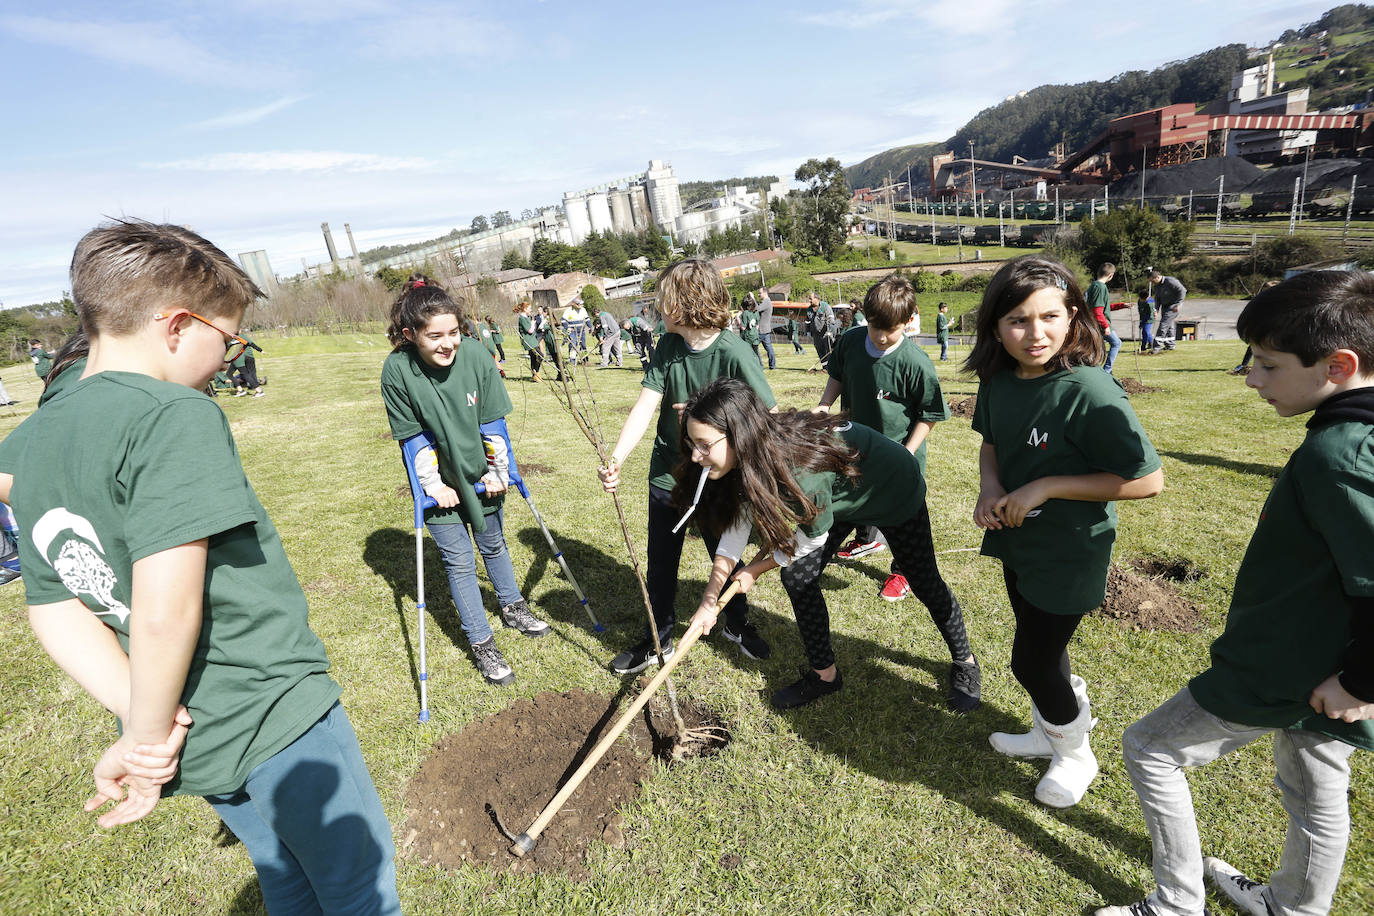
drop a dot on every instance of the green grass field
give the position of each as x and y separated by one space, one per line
876 800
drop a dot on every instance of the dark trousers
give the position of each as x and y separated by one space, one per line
822 344
247 374
913 548
536 360
1040 655
665 555
500 352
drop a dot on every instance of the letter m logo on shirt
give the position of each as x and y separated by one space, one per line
1037 438
472 398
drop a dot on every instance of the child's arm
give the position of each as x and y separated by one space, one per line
427 472
918 435
636 424
1096 487
828 396
708 611
990 490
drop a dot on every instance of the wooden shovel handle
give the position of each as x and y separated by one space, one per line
525 841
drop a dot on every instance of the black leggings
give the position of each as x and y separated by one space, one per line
665 555
912 546
536 360
1040 655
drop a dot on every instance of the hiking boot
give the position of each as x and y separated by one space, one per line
1247 895
965 686
857 548
807 690
492 663
640 656
537 377
747 637
517 616
895 588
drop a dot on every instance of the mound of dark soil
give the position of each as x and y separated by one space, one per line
516 761
963 408
1148 603
1134 387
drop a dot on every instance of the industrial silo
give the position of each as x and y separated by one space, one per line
639 207
599 211
579 223
622 220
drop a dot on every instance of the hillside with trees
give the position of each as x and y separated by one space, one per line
693 192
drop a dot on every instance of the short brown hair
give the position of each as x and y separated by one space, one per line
694 295
890 302
126 271
1104 270
1012 285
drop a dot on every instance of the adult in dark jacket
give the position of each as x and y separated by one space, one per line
1169 295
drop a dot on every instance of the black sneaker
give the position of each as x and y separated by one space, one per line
640 656
492 663
809 689
965 686
517 616
747 637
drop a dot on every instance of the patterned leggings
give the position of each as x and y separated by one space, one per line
913 548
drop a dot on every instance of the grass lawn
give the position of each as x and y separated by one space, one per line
876 800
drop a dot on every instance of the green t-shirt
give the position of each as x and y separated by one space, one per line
118 467
749 326
941 326
246 355
892 392
496 334
483 333
1289 622
625 335
452 403
889 491
1071 421
1097 296
42 361
63 379
526 331
676 371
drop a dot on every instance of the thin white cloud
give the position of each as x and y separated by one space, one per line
150 46
248 116
296 161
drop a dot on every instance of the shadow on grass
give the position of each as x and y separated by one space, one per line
898 729
1244 467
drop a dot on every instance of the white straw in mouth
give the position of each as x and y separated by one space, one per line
701 485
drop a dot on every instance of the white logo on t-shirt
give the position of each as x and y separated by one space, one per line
1037 438
81 568
472 398
882 394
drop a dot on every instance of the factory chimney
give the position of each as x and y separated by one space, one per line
329 243
352 244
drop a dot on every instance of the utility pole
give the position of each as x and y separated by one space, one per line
958 229
1293 214
1221 186
1001 230
1190 205
1057 215
1302 202
972 177
1142 176
931 211
1349 209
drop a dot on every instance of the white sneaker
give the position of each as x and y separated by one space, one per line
1247 895
1139 908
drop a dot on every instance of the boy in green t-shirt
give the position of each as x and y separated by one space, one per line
888 383
1296 659
942 329
157 582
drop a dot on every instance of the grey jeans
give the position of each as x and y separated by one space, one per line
1313 775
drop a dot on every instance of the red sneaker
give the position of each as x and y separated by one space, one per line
895 588
857 548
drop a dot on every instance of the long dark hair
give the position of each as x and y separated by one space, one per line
420 300
76 347
770 450
1012 285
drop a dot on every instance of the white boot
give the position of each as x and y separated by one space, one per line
1073 766
1034 743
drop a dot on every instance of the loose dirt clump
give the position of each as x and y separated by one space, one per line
530 467
963 408
515 761
1175 569
1148 603
1134 387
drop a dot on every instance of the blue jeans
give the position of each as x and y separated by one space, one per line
1313 774
767 341
1113 347
311 821
944 348
455 547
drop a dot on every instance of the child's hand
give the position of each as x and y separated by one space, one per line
158 762
112 777
610 475
1017 505
447 498
822 409
1335 702
706 615
493 484
985 513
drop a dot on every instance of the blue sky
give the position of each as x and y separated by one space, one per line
253 121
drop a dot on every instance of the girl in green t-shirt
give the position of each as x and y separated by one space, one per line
805 481
438 381
1060 442
496 338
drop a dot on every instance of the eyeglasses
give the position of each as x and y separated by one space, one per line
234 347
705 449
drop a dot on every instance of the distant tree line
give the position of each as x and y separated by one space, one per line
694 192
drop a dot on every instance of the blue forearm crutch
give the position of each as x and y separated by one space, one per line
497 427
